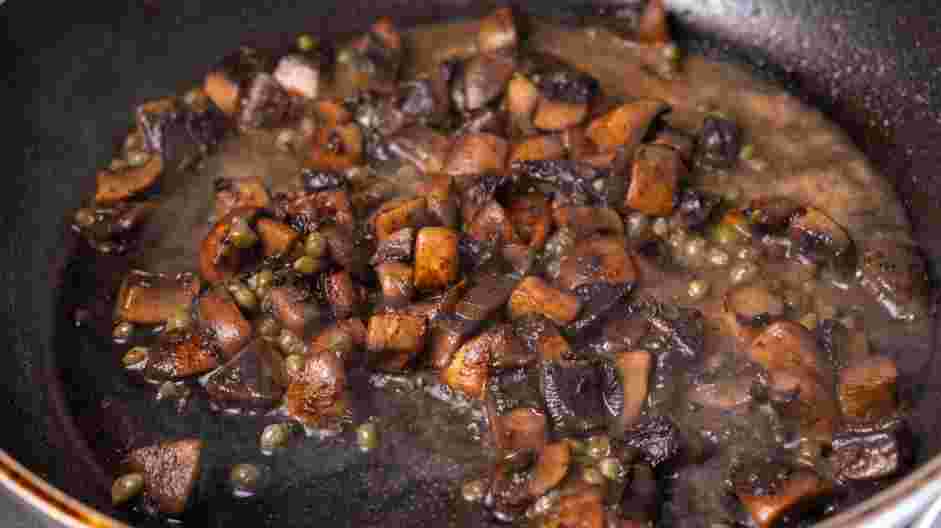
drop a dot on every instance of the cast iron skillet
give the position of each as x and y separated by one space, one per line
75 69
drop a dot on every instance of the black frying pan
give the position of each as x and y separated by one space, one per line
76 69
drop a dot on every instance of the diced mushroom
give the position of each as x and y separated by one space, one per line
247 380
506 350
543 339
180 132
447 335
436 258
266 103
535 296
115 186
772 215
786 345
842 346
800 395
276 238
768 507
817 236
223 91
182 355
652 28
480 193
470 368
634 368
523 428
599 259
867 390
421 146
233 194
298 75
492 226
895 274
225 83
336 148
218 313
342 339
868 456
485 297
395 340
529 215
676 139
522 98
654 178
399 214
580 397
586 221
442 200
582 510
342 247
147 298
537 148
171 471
396 282
497 31
482 79
574 180
485 120
559 115
397 246
473 154
341 294
551 468
292 307
425 99
626 125
218 258
512 389
508 497
317 397
307 212
726 393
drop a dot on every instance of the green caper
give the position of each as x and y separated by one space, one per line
592 476
697 289
245 477
275 436
241 234
367 436
724 234
747 152
126 487
306 42
180 319
264 278
268 327
135 356
341 343
315 245
732 194
809 321
123 331
136 158
84 217
598 446
577 447
672 52
306 265
243 296
611 468
473 491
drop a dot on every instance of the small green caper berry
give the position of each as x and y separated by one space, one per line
611 468
306 42
180 319
697 289
598 446
294 363
245 476
747 152
264 278
268 327
592 476
126 487
275 436
306 265
241 234
118 165
243 296
367 436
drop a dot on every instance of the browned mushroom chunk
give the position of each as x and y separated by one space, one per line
219 259
473 154
596 260
233 194
492 226
481 80
436 258
750 308
800 395
181 355
523 428
292 307
768 504
114 186
529 215
395 340
266 104
626 125
582 510
421 146
655 175
867 390
586 221
559 115
506 350
676 139
298 75
220 316
620 332
652 28
537 148
551 468
395 215
248 379
469 369
634 368
522 98
226 83
396 282
341 293
443 206
308 211
580 397
786 345
543 339
276 238
148 298
397 246
171 471
497 31
535 296
895 274
316 398
343 339
868 455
